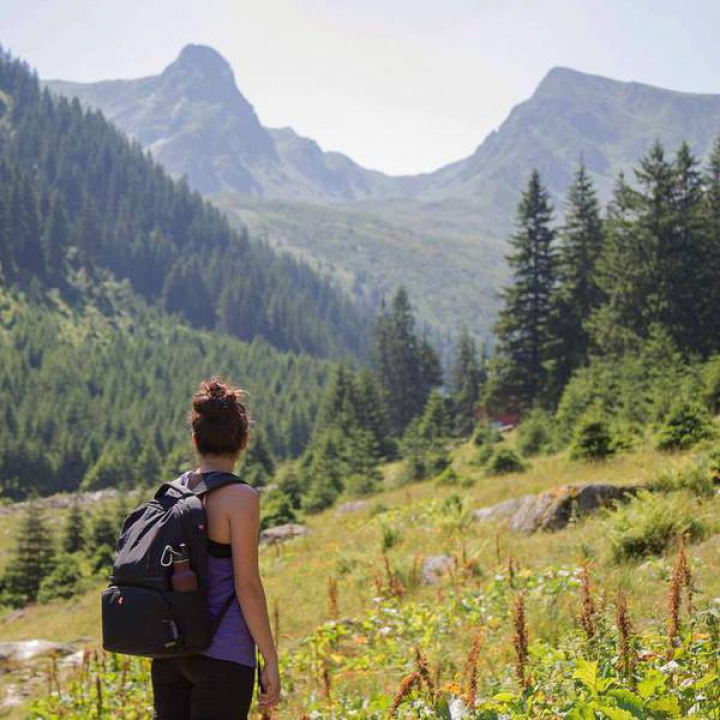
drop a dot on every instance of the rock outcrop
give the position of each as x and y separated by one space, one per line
553 510
281 533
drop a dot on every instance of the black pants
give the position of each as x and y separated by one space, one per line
201 688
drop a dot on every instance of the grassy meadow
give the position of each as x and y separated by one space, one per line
357 627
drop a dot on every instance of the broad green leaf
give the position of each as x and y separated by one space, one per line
628 700
706 680
505 697
653 681
668 704
586 673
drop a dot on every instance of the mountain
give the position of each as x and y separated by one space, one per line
196 122
442 234
610 124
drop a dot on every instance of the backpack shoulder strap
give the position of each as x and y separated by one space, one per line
208 482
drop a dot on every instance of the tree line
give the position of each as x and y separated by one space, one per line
603 285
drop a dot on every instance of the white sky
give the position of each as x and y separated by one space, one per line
403 86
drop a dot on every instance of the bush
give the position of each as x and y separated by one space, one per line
685 425
389 536
363 483
711 378
592 440
504 461
649 523
275 509
697 479
534 434
63 581
447 477
103 560
486 434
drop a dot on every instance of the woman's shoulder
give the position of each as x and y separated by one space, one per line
237 493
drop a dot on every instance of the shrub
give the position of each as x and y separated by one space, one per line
485 434
447 477
534 434
63 581
649 523
711 378
363 483
504 461
103 560
698 479
389 536
685 425
592 440
275 509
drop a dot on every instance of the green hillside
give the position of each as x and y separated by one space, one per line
105 384
451 271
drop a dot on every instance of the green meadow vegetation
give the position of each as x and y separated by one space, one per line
615 615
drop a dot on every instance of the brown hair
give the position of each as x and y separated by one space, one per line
220 421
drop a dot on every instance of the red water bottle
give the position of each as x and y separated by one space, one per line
183 578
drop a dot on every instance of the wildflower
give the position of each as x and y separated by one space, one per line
458 709
404 690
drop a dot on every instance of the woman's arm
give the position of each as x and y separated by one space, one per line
244 515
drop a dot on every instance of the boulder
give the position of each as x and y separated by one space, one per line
553 510
24 650
280 533
350 507
434 567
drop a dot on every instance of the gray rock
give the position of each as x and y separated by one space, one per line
553 510
281 533
24 650
434 567
350 507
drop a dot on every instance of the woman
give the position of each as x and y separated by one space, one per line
218 684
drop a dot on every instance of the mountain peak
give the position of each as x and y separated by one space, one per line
204 68
204 58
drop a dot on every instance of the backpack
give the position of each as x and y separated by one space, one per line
141 614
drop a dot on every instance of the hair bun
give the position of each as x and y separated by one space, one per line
215 400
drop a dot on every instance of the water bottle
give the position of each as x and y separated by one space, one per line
183 578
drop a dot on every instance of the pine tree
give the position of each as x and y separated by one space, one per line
373 412
104 530
434 422
523 330
655 257
465 383
406 365
259 464
33 557
578 293
73 539
55 239
709 299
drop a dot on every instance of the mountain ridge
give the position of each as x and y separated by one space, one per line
441 233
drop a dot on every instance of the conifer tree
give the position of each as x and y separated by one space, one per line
434 422
655 256
578 293
33 557
373 412
406 365
465 383
709 299
73 538
523 330
259 464
55 239
104 530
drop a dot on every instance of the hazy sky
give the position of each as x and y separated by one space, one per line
399 85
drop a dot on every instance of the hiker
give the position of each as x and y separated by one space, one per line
218 683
